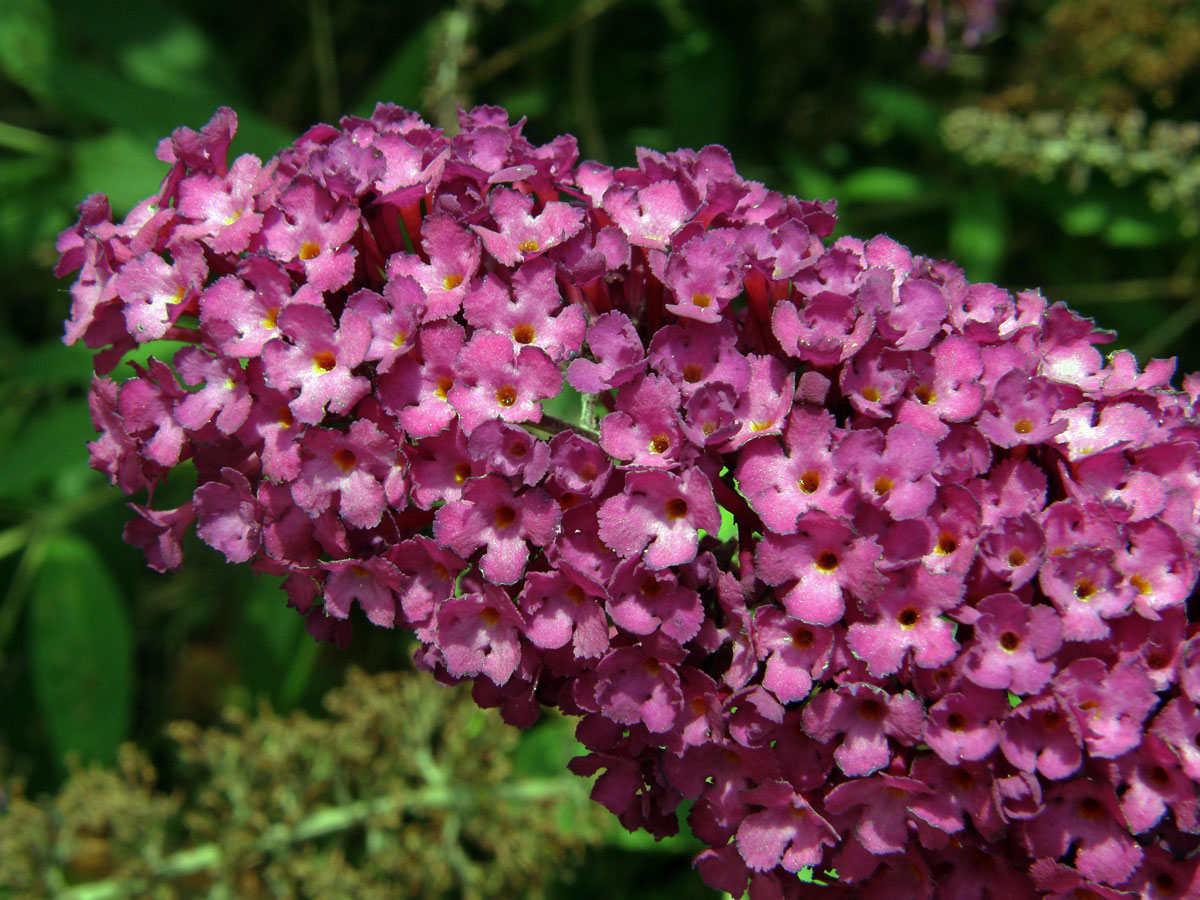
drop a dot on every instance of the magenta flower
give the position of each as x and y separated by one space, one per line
1014 645
318 358
520 235
819 565
636 688
1090 817
883 571
785 831
156 292
864 716
909 611
478 634
533 314
372 582
658 516
310 229
497 382
491 515
352 465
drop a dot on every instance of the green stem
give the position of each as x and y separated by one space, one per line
330 821
25 140
539 40
553 425
324 59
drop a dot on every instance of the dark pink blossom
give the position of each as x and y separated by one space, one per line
783 483
497 382
1014 645
228 516
618 355
479 634
650 215
318 358
633 687
373 582
453 254
562 609
658 516
310 229
492 516
909 621
864 716
157 292
532 312
785 830
352 465
818 566
1089 816
882 571
519 234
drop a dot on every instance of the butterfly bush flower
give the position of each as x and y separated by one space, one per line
882 571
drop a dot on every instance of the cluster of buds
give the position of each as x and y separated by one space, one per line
883 571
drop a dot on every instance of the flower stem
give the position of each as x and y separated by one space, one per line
333 820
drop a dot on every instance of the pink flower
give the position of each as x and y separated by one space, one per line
658 516
883 571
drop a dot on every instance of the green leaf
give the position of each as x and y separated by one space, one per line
119 164
150 112
1134 231
978 227
810 182
53 442
546 748
26 43
268 634
51 362
901 109
80 650
402 76
880 184
179 59
700 86
1085 218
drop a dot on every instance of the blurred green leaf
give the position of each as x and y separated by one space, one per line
52 443
80 650
178 59
700 87
1085 218
150 113
118 164
29 211
810 182
902 109
978 232
267 634
546 748
880 184
401 79
26 43
51 362
643 842
1134 231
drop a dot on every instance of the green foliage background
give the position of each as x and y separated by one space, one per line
1061 153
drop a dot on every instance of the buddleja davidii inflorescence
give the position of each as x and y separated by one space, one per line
944 624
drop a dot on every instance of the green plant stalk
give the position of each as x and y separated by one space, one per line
25 140
329 821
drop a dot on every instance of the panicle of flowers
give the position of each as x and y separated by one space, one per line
948 24
948 632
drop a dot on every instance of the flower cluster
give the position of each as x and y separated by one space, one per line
949 24
883 571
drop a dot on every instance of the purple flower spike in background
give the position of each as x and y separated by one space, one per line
882 571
